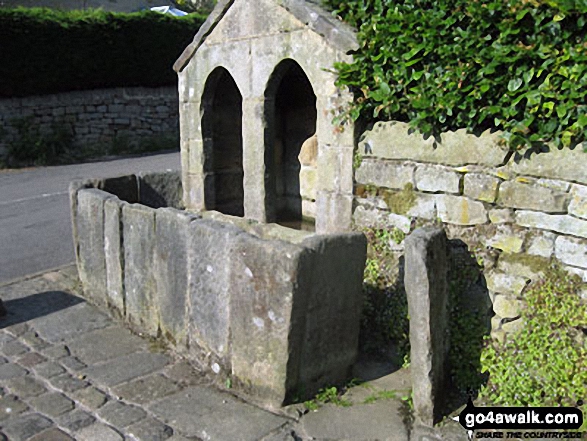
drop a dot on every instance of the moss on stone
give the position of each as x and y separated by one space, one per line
536 264
400 202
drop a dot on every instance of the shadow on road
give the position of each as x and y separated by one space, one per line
35 306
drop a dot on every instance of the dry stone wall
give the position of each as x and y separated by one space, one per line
95 117
515 216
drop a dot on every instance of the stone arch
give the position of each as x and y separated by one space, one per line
290 118
222 116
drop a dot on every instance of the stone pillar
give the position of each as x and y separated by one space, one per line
254 159
426 267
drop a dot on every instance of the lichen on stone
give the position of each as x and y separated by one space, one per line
400 202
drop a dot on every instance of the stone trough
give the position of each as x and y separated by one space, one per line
274 309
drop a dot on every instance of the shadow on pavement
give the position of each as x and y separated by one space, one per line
36 305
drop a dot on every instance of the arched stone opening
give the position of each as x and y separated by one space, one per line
222 136
290 146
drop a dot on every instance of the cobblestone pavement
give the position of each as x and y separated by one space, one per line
68 371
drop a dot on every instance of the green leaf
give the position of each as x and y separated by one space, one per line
514 84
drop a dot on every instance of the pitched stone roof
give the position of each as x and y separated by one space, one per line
338 34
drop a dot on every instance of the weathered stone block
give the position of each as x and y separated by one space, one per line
160 189
114 254
505 283
427 291
334 212
308 183
523 265
385 174
481 187
332 268
139 280
170 269
571 251
516 194
501 215
555 222
507 307
565 164
381 219
210 255
395 140
541 244
460 210
262 318
578 205
435 179
90 243
507 239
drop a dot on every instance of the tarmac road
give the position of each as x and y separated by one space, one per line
35 223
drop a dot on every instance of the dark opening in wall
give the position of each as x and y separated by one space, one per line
290 119
222 117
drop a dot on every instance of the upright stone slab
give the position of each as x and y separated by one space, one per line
427 291
170 269
210 253
139 279
261 319
114 254
90 243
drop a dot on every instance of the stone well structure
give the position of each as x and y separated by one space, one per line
255 85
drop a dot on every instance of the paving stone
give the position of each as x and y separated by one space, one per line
56 352
71 322
25 387
149 429
10 405
75 420
52 434
11 370
32 339
146 390
3 360
13 348
48 369
90 397
5 338
24 427
73 364
209 414
31 359
121 415
126 368
98 432
106 344
52 404
184 374
68 383
18 329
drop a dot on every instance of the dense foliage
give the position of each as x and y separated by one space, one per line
47 51
519 66
545 364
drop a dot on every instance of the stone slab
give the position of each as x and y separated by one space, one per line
160 189
24 427
52 434
578 205
385 174
208 414
520 195
11 405
11 370
105 344
52 404
170 267
90 397
571 251
139 282
71 322
25 387
149 429
460 210
147 390
395 140
382 421
120 415
129 367
114 255
75 420
481 187
437 179
554 222
427 291
100 432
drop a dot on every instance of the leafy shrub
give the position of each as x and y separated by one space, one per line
515 65
49 51
546 363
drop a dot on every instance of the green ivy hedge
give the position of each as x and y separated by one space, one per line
47 51
519 66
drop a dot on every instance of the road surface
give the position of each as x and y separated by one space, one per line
35 223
